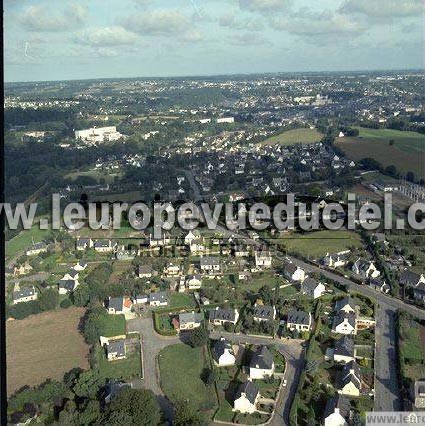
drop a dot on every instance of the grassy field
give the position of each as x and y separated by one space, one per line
407 152
95 174
114 325
44 346
120 369
22 241
292 137
180 369
317 244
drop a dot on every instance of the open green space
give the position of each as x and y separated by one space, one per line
180 370
113 325
22 241
317 244
405 150
295 136
119 369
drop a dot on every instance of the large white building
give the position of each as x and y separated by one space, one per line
98 134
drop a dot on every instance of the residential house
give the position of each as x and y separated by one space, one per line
220 316
113 388
379 285
293 272
350 381
103 246
337 411
336 260
261 364
144 271
223 354
158 299
210 264
190 320
172 270
344 323
67 286
119 305
298 320
346 305
193 282
263 259
365 269
125 254
415 281
420 394
263 313
83 244
344 350
141 299
80 266
246 398
241 250
23 269
37 248
312 288
115 349
71 275
24 295
192 235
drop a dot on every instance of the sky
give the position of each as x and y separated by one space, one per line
75 39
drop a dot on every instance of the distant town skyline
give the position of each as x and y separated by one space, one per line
46 40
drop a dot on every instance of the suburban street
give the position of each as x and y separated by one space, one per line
387 397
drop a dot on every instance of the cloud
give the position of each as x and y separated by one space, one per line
229 21
264 6
42 18
248 39
307 24
159 22
107 37
383 8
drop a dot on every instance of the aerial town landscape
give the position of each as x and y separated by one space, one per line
118 324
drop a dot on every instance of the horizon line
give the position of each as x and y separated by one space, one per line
241 74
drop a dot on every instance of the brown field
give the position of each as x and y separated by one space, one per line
44 346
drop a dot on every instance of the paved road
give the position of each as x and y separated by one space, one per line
294 353
387 396
152 343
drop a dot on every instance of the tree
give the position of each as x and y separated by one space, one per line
81 295
185 415
135 406
93 324
48 299
88 384
198 337
23 310
266 294
208 376
65 304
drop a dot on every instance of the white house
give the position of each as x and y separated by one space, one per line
223 354
336 260
344 323
312 288
190 320
261 364
24 295
80 266
263 259
337 411
36 248
365 269
210 264
67 286
158 299
263 313
350 382
344 350
103 246
220 316
144 271
115 349
83 244
119 305
293 272
193 282
246 398
298 320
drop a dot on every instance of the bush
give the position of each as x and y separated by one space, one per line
66 303
48 299
23 310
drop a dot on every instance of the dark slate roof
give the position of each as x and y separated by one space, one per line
102 243
340 402
160 296
298 317
220 347
222 314
264 312
116 303
309 284
409 278
347 376
38 246
82 242
116 346
289 267
144 269
344 346
189 317
209 261
67 284
25 292
341 316
345 301
262 358
250 391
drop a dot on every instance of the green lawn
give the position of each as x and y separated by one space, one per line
22 241
291 137
113 325
180 369
317 244
182 300
406 153
120 369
